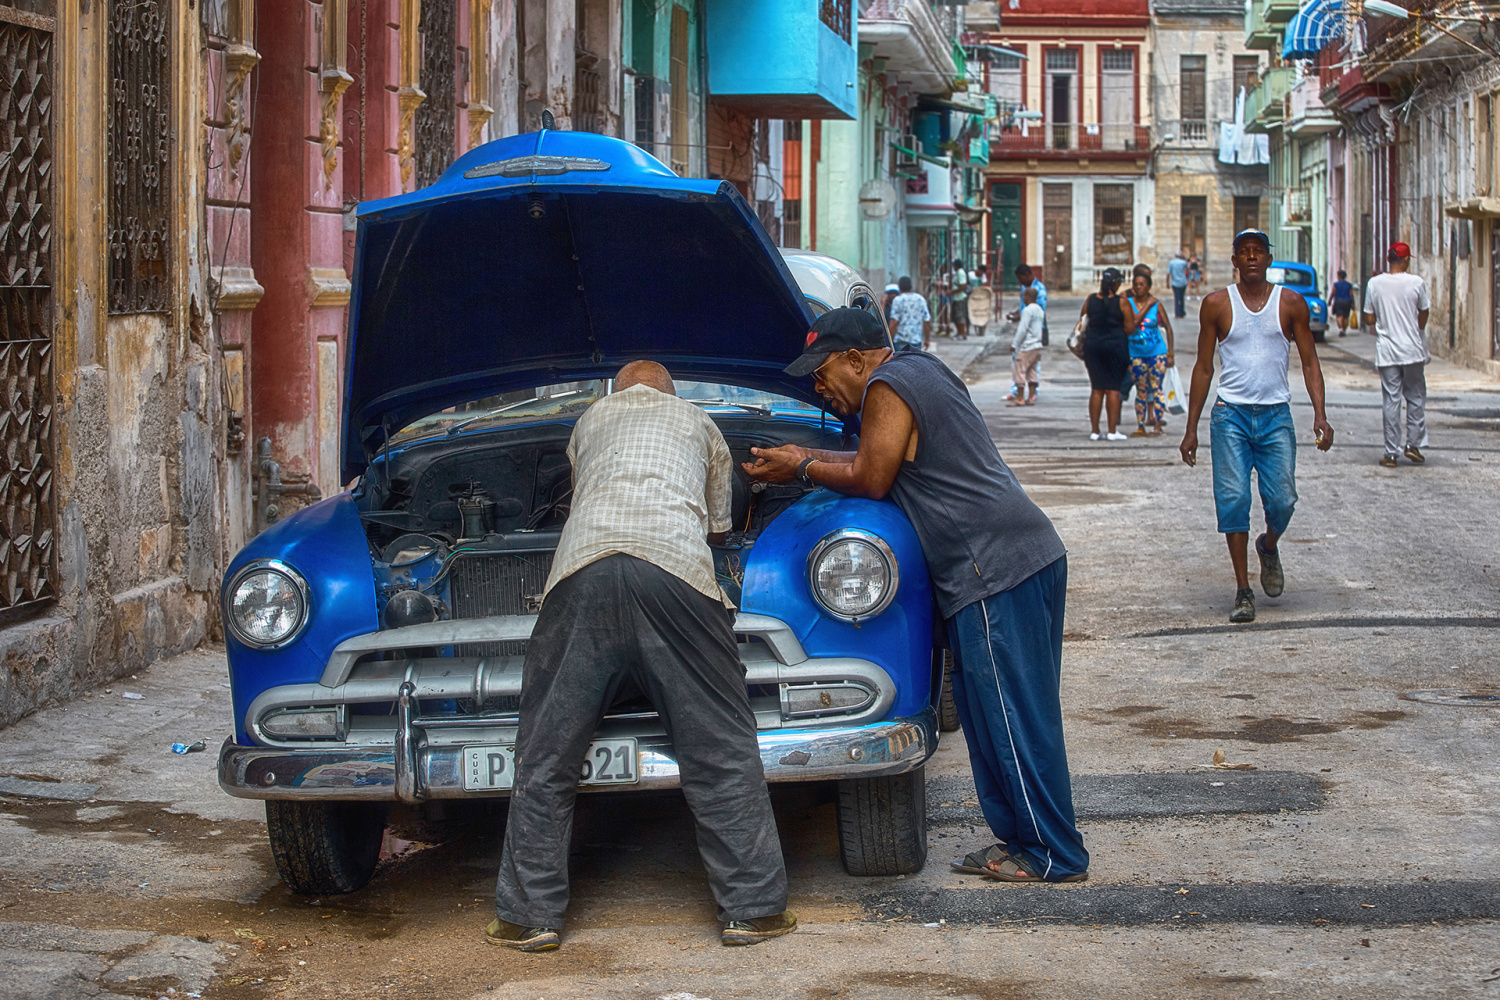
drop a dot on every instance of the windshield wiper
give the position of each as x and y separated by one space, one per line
764 411
508 406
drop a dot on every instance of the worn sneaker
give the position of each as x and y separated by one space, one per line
509 935
1271 579
742 932
1115 436
1244 606
1389 461
1414 455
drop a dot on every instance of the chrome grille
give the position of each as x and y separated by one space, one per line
501 583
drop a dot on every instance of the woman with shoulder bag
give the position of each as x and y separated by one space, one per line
1104 352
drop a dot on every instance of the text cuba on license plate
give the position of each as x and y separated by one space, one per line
608 762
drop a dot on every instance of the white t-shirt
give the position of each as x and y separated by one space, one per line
1395 300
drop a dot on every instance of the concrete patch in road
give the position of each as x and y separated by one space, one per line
951 798
1186 905
41 961
64 791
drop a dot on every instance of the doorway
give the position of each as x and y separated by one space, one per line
1195 226
1005 229
1246 213
1057 236
1114 225
1062 92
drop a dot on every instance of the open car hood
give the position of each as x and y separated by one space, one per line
555 256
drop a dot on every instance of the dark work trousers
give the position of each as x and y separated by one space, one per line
623 617
1179 301
1008 649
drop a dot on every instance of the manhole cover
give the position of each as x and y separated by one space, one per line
1458 699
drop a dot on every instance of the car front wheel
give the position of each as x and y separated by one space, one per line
883 824
324 848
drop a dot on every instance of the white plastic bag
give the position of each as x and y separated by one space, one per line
1171 390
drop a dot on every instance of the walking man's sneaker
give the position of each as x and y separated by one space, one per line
1389 461
1244 606
1271 579
509 935
741 932
1415 455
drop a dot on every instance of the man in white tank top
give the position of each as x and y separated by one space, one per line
1253 324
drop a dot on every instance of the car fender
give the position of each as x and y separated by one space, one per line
325 543
899 639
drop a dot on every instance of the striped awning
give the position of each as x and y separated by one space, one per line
1314 26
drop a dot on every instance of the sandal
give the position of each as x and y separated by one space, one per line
978 862
1015 868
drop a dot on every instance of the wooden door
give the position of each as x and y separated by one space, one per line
1057 236
1494 289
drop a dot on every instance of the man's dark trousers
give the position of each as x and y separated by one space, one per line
623 617
1008 649
1179 301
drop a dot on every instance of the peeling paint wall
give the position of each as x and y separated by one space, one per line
139 399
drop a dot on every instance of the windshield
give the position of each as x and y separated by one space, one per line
569 399
1288 276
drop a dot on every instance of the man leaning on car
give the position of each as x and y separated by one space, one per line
999 573
632 594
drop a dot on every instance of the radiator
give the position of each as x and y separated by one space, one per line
500 583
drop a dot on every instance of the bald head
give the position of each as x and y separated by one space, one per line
645 373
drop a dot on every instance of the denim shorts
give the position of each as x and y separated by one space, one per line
1259 437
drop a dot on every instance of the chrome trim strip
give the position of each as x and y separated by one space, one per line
776 634
442 677
891 746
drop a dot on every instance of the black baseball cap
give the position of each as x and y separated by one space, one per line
835 331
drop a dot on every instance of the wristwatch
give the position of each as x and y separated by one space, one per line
802 471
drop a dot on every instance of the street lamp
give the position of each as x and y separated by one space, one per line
1387 8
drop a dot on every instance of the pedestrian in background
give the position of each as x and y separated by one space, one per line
958 299
1177 273
1026 351
1253 324
1397 305
1195 277
999 577
891 291
910 320
1343 302
1151 353
1105 354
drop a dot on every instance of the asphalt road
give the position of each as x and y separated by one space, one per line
1356 860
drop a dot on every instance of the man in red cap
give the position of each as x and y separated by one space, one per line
1397 304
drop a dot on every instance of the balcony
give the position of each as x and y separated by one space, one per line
1306 115
1299 208
1259 35
811 72
1050 140
906 35
1266 104
1279 11
1187 133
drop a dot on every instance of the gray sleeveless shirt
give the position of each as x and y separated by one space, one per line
980 533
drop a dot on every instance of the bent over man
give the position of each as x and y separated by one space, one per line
632 594
1253 324
998 570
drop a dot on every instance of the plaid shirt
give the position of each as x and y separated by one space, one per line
651 479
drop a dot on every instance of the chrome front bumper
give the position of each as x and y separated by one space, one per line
409 772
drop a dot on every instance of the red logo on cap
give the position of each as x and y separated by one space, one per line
812 335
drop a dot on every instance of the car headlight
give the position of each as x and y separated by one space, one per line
266 605
852 574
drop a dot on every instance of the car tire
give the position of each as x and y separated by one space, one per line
947 711
883 824
325 848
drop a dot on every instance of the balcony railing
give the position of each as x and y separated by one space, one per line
1186 132
1052 139
1266 103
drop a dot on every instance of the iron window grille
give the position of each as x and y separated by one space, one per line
436 117
140 151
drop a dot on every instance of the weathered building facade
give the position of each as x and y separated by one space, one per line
112 485
1199 67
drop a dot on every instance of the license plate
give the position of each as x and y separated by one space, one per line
608 762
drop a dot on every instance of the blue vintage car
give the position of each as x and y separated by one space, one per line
375 639
1303 279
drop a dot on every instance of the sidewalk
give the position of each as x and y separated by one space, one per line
1442 375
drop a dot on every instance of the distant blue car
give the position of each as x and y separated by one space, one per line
376 639
1302 278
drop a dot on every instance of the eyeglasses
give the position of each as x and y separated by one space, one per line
816 371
